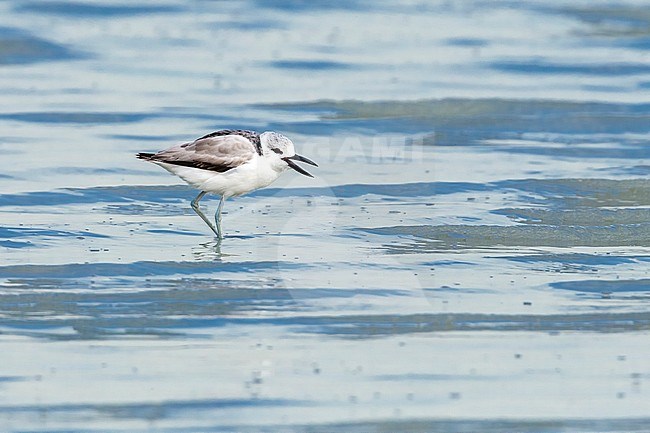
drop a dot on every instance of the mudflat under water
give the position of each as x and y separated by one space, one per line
473 254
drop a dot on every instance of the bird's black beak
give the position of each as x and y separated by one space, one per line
290 161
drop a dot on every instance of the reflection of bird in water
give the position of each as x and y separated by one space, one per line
229 163
210 250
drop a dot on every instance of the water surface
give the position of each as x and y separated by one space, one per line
472 255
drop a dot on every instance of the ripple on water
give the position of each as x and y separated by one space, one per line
95 11
445 237
18 47
466 122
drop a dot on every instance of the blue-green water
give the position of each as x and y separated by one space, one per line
473 254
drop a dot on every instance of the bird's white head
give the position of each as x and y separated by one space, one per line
276 144
278 150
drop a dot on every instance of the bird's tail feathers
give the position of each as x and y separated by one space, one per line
145 156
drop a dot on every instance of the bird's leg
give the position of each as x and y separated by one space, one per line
217 217
195 206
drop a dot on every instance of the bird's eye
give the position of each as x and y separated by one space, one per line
276 150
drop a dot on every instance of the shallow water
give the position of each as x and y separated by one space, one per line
473 254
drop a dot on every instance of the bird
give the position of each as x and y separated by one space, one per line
229 163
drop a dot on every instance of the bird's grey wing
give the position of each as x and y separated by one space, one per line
218 153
